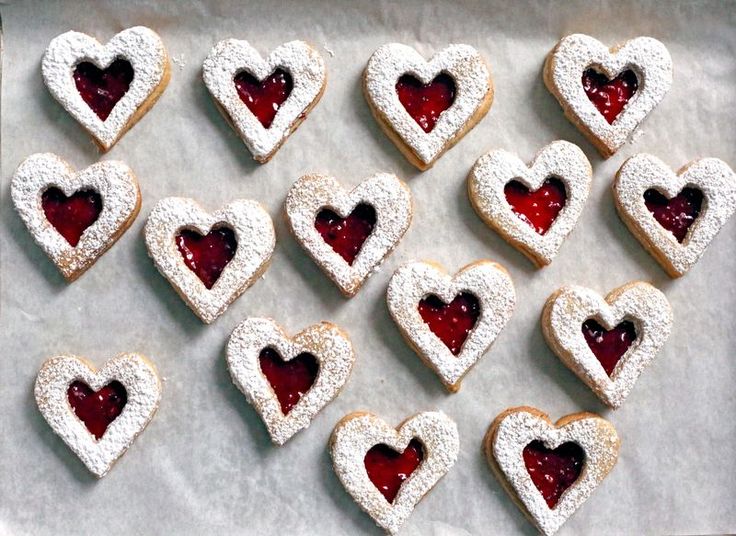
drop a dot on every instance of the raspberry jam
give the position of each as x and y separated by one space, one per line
388 469
264 98
346 235
539 208
676 214
288 379
609 345
207 255
553 471
609 96
101 89
426 102
97 409
451 322
71 215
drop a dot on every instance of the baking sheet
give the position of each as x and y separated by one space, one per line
205 462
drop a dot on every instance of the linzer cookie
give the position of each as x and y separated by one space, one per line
388 471
607 342
107 88
550 469
604 92
348 233
74 216
675 215
426 107
451 321
264 100
98 413
534 207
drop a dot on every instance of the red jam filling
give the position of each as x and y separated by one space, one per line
346 235
288 379
388 469
609 96
71 215
101 89
451 322
207 255
609 345
426 102
264 98
539 208
676 214
553 471
97 409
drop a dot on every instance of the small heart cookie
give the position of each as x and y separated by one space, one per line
264 100
675 216
98 413
388 471
107 88
548 469
74 216
607 341
288 380
532 207
348 234
209 259
451 321
604 92
426 107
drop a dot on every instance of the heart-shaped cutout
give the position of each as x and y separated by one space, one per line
538 208
610 96
452 322
553 471
288 379
71 215
264 97
346 235
388 469
676 214
426 102
97 409
207 255
101 89
609 345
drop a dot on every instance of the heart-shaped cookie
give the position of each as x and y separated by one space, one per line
264 100
532 207
288 380
74 216
426 107
675 215
98 413
604 92
209 258
607 342
451 321
348 234
107 88
388 471
550 469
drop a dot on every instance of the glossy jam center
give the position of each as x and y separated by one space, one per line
451 322
71 215
388 469
346 235
264 98
101 89
609 96
553 471
426 102
288 379
676 214
97 409
207 255
538 208
609 345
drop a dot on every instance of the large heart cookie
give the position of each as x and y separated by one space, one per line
609 341
264 100
550 469
388 471
98 413
533 207
288 380
606 92
209 258
74 216
426 107
348 234
107 88
451 321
